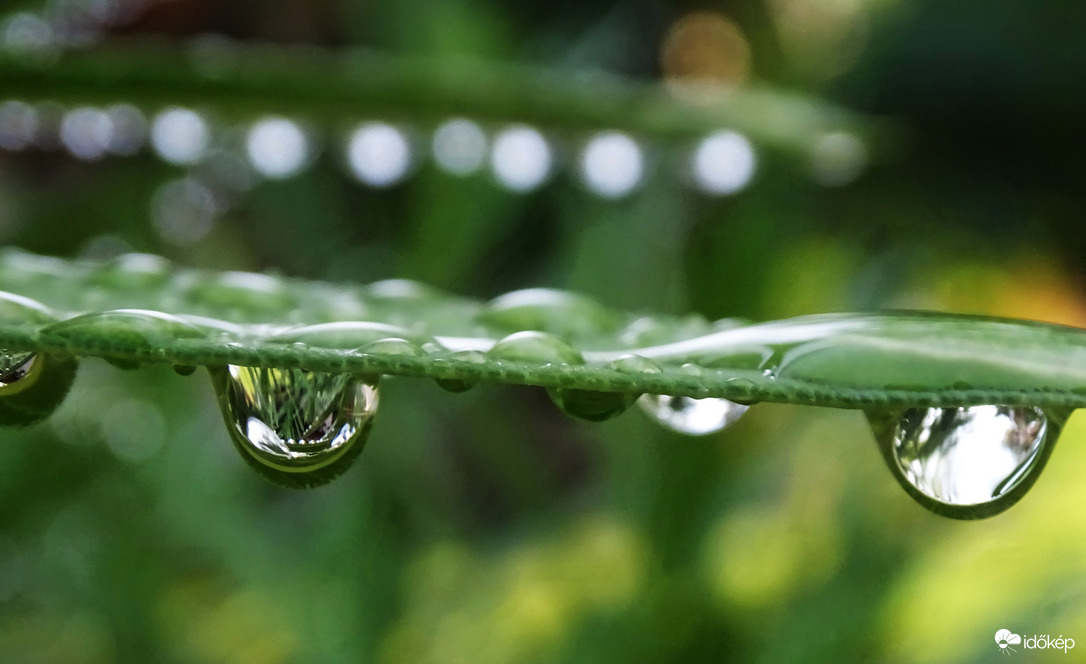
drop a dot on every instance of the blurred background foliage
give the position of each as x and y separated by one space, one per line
486 527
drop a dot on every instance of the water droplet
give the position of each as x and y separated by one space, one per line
536 348
123 337
32 386
694 417
184 369
393 346
591 405
457 385
297 428
14 368
966 463
344 335
635 364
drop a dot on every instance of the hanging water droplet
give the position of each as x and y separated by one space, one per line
966 463
461 357
32 386
694 417
297 428
591 405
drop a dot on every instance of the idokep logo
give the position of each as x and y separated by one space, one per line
1005 638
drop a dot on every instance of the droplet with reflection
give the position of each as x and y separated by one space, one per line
694 417
297 428
966 463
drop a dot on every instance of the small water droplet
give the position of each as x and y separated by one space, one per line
184 369
297 428
392 346
32 386
635 364
591 405
694 417
457 385
966 463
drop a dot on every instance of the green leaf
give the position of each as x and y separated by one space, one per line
140 309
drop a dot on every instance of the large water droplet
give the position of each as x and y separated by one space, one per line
535 347
297 428
32 386
694 417
966 463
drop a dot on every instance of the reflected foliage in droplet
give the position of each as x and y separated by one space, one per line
966 463
297 428
694 417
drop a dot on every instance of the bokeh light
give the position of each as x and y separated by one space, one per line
521 158
611 164
723 163
838 159
180 136
128 129
27 34
277 147
705 48
379 154
183 211
86 133
18 124
459 146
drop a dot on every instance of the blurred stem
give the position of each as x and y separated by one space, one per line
327 86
